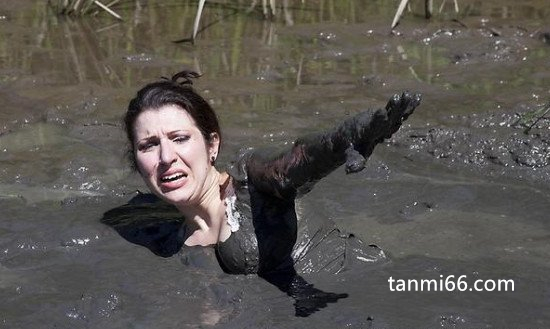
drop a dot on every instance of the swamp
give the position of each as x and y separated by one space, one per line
461 191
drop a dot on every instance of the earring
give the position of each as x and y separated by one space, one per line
212 160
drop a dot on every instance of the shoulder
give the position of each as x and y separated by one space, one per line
238 168
264 170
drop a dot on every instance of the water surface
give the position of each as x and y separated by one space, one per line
461 190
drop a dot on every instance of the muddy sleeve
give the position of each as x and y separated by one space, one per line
295 171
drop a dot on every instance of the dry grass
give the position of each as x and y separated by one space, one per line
82 7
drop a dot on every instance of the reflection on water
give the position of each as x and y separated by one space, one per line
281 49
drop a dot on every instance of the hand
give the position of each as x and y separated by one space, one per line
399 108
370 128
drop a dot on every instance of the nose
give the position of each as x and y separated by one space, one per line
167 152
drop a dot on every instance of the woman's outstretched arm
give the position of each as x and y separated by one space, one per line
313 157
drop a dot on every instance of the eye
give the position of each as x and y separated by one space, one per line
181 139
147 146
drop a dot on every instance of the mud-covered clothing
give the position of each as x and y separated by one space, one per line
266 234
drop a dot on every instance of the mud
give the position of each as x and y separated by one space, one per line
495 144
461 189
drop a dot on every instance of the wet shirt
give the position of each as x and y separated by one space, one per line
267 235
263 226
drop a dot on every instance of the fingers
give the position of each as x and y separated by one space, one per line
401 106
414 101
392 103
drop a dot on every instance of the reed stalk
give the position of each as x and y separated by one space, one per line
428 7
530 119
82 7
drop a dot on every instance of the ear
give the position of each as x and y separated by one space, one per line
213 145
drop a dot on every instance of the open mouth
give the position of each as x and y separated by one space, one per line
171 178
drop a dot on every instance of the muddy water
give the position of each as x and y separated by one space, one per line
461 190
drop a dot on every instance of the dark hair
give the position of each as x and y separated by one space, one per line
175 91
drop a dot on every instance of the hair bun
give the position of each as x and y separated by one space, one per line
184 77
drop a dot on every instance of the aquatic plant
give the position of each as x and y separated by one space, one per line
82 7
529 119
428 7
272 10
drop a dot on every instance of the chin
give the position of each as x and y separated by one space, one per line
175 197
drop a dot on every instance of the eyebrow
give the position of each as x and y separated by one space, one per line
170 133
148 138
174 132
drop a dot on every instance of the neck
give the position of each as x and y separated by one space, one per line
207 214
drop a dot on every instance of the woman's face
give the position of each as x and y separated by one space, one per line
172 155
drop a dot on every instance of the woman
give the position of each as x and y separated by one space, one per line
248 216
248 213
